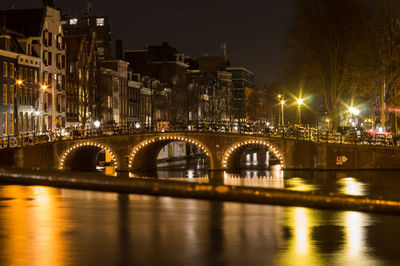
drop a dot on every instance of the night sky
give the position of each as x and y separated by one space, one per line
252 29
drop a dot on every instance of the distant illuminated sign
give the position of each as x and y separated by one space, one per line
99 22
73 21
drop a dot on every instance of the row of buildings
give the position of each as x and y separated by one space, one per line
59 72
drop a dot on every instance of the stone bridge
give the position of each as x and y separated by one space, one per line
223 150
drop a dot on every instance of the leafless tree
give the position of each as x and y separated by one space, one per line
327 44
386 28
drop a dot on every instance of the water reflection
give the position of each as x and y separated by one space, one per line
299 184
351 186
325 238
253 178
368 183
360 184
48 226
33 222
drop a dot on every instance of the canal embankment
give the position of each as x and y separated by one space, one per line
203 191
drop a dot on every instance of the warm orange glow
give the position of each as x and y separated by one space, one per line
19 82
35 227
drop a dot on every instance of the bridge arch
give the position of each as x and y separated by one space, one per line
86 151
234 148
144 155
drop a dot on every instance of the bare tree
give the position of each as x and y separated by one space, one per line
386 28
327 44
84 80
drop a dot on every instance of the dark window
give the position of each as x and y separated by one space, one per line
63 82
50 39
50 59
45 38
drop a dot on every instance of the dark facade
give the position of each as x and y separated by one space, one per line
44 38
165 64
118 75
210 89
98 24
104 98
243 87
134 87
23 98
81 76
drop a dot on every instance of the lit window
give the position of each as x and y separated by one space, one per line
11 70
5 130
5 69
5 87
99 22
73 21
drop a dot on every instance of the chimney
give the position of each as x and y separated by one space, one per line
89 11
118 49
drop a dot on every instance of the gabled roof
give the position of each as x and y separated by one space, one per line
26 21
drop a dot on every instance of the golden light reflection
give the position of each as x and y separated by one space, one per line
354 232
301 231
256 179
35 223
300 249
298 184
351 186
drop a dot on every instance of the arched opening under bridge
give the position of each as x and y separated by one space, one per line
251 155
170 153
89 156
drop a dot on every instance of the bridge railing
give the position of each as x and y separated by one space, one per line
309 134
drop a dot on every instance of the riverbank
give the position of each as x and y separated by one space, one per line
204 191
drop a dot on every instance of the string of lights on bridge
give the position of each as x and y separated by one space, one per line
254 142
165 138
173 138
85 144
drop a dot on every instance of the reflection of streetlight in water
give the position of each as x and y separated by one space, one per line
351 186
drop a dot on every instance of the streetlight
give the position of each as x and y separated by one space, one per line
354 111
299 103
96 123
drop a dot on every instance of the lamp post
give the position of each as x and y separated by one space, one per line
44 88
281 102
282 111
16 116
299 103
327 120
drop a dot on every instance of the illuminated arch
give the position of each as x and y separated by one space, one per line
86 144
236 146
145 143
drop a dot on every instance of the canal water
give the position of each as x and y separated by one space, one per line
51 226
